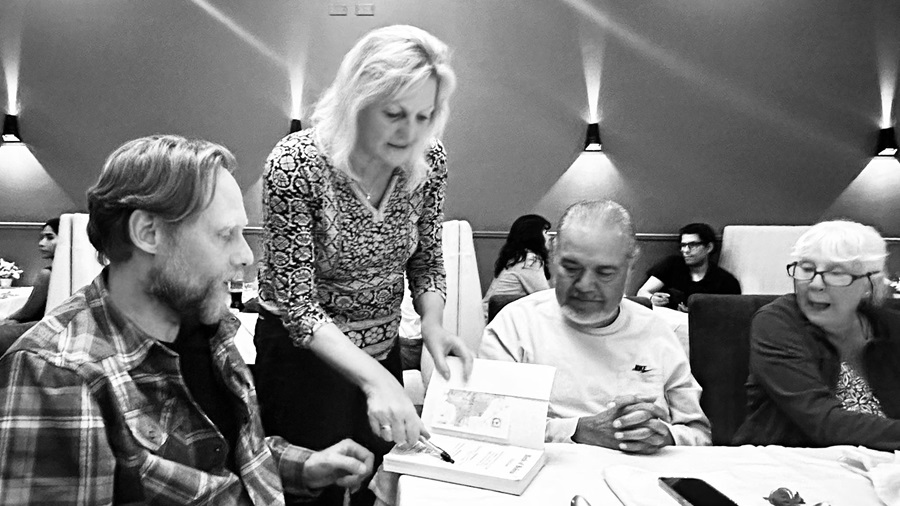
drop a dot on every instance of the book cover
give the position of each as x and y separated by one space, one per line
492 425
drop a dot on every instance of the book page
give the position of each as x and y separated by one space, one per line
507 462
502 402
467 412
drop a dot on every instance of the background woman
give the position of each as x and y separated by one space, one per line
521 266
349 206
824 360
33 310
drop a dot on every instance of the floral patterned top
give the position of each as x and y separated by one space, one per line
330 256
855 392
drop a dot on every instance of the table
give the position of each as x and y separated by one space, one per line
745 474
12 299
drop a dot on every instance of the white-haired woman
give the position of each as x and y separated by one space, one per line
349 206
824 360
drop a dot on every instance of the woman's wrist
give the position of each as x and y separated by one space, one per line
378 379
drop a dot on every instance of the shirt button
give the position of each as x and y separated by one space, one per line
218 449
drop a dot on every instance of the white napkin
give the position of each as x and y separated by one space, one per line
636 487
882 470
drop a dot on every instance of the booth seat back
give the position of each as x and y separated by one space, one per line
757 254
719 329
75 261
463 312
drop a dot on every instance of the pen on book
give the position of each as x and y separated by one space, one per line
435 448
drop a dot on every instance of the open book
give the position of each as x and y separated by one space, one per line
492 426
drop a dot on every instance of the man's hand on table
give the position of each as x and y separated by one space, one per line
632 424
345 464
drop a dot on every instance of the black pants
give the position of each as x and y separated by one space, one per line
305 401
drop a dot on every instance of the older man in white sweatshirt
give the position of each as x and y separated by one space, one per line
623 380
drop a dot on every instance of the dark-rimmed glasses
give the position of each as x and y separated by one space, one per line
830 278
691 246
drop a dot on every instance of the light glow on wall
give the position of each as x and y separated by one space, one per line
887 40
241 32
872 197
591 176
592 59
36 193
298 50
298 76
11 50
716 86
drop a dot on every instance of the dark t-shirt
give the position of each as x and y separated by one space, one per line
677 282
204 383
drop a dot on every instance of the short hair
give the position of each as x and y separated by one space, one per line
383 64
705 232
857 246
53 223
526 234
167 175
599 214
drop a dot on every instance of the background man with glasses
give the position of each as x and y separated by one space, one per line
676 278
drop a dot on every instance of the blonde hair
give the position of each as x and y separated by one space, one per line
383 64
859 247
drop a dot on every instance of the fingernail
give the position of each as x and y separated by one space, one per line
611 404
617 424
623 446
620 435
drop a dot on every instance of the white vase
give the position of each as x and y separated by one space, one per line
5 282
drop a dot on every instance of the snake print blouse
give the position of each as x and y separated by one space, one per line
330 256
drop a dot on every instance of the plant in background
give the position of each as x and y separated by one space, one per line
8 270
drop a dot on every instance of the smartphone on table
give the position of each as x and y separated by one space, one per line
694 492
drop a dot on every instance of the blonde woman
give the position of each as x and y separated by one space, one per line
349 206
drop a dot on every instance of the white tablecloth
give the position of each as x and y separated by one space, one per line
11 299
746 474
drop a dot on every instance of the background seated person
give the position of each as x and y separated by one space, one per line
676 278
33 310
622 378
824 360
521 266
20 321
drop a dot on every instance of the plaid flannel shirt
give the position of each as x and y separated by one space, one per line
94 411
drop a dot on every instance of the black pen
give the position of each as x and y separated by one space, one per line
435 448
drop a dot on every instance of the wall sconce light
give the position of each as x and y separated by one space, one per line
887 142
592 141
11 129
296 126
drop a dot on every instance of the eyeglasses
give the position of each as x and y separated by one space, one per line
692 246
830 278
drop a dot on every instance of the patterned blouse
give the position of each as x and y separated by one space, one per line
330 256
855 393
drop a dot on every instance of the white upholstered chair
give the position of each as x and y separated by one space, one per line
463 313
75 261
757 254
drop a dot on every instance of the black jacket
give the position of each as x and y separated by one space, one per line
794 371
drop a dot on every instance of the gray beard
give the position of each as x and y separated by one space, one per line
190 305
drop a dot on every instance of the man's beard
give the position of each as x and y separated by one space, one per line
192 304
589 320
